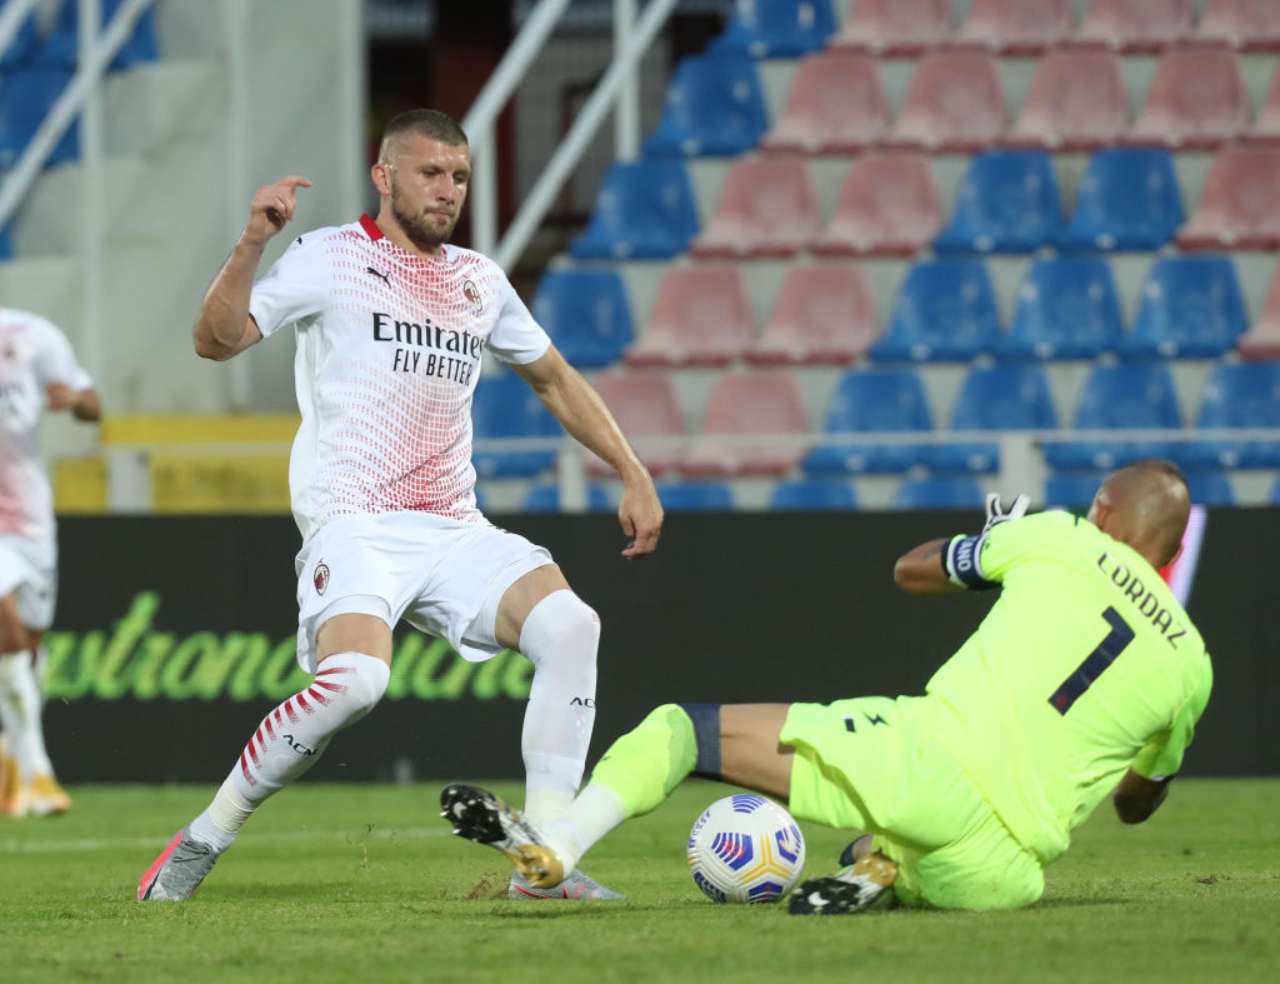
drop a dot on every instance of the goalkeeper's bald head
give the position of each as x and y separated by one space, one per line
1145 505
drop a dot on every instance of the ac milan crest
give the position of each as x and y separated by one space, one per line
472 293
321 577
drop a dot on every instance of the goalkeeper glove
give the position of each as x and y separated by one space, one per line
997 513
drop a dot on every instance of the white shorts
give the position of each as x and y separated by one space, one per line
29 570
435 573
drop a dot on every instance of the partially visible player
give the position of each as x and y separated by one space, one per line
38 372
1086 677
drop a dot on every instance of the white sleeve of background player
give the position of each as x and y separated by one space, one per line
56 362
517 338
294 289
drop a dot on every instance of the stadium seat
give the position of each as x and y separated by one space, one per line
586 314
1252 25
1238 396
1240 206
715 108
1262 340
952 492
1197 100
644 211
1275 494
894 28
1008 203
867 402
778 28
1266 125
1136 25
825 314
1129 199
945 312
702 317
1001 398
27 93
1122 397
1018 27
23 46
1191 307
6 242
1210 488
814 495
1077 101
545 497
695 496
836 106
505 406
645 406
61 47
955 102
1074 490
888 206
1067 309
768 209
750 402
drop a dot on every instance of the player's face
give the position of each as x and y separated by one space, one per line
428 186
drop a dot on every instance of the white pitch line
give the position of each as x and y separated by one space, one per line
114 843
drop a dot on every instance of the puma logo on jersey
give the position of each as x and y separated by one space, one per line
382 276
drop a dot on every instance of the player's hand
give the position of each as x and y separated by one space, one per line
640 513
272 208
59 396
998 513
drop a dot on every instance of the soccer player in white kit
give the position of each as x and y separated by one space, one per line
38 372
391 324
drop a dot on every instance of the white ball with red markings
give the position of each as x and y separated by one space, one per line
745 848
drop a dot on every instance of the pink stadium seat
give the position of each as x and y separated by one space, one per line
1137 25
756 401
1240 206
768 209
836 106
1253 25
1266 128
825 314
701 318
1262 340
1018 26
1077 101
888 206
1197 99
955 102
896 27
644 404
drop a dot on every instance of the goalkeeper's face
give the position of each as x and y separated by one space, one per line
428 183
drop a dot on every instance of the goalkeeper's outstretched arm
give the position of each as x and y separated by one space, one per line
922 571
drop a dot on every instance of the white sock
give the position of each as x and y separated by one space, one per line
593 814
290 739
560 637
20 710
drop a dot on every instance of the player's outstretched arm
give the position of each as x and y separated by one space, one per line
224 327
573 402
922 571
1138 797
83 404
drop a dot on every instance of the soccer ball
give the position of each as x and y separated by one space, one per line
745 848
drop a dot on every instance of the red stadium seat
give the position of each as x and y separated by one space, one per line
1266 128
768 209
1197 100
751 402
825 314
1137 25
1240 206
896 27
701 318
955 102
836 106
1018 26
1078 101
888 206
644 404
1262 340
1252 25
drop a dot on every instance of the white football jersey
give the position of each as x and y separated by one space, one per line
389 350
33 354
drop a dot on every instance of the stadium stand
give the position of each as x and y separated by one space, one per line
954 103
23 46
1252 25
27 92
869 402
888 206
998 398
505 406
644 210
586 314
825 314
1077 101
779 28
1007 203
1074 490
645 405
1237 209
1134 26
743 403
545 497
1266 124
814 495
1210 489
6 242
1262 341
60 48
1192 307
702 317
1067 308
836 105
715 108
895 28
952 492
1129 199
945 312
768 209
1018 27
695 496
1197 100
1238 396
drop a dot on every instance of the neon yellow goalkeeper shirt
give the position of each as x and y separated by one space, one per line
1085 666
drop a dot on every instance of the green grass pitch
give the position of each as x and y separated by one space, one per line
363 883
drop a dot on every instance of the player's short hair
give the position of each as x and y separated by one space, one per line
430 123
1165 518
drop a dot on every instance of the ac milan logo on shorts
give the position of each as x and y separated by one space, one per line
472 293
321 577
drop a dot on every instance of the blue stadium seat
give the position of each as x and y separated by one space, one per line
26 95
586 314
1008 203
61 46
1067 309
645 211
778 28
1211 488
1192 307
1127 396
1129 199
870 401
939 493
814 495
715 108
505 406
1011 397
545 497
695 496
23 46
1074 490
1275 493
1244 395
945 312
6 242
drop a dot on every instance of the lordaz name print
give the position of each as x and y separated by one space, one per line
412 337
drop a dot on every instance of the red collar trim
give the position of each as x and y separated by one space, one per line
370 228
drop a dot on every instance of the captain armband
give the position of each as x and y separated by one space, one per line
960 563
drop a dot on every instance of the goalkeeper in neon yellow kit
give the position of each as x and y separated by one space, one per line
1086 677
